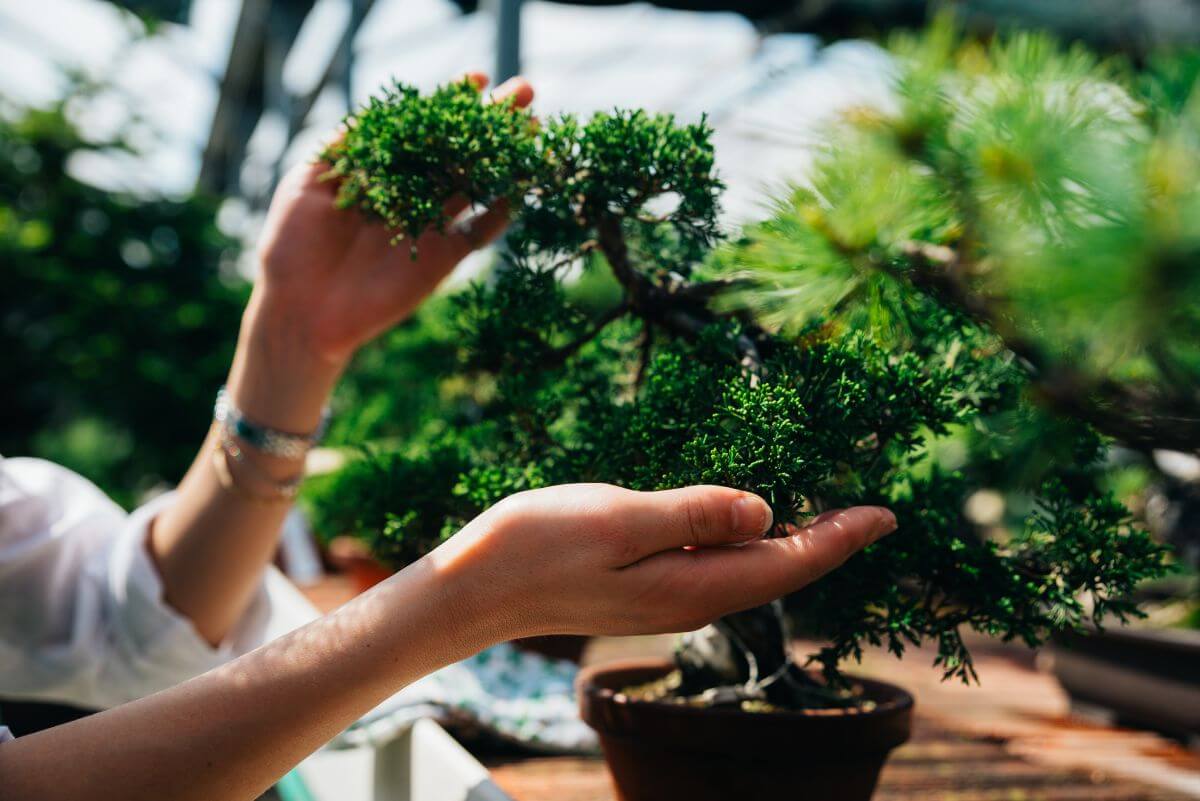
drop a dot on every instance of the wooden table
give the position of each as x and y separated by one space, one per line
936 765
1012 738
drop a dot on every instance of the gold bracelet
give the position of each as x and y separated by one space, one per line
227 449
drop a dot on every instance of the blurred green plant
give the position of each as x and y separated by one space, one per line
1051 198
116 324
806 361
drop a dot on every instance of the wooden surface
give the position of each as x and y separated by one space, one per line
935 766
1014 737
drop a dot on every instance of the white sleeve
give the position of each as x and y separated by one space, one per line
82 615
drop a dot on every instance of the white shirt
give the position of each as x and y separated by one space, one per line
82 617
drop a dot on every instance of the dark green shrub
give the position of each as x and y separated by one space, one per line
115 324
993 280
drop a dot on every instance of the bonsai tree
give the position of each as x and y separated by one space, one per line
937 304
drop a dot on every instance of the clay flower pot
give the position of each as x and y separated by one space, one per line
659 751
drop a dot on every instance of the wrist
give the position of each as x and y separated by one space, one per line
488 584
277 379
453 607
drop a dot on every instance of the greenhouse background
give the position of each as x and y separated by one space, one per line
141 142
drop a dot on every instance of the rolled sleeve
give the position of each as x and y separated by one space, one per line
83 620
156 647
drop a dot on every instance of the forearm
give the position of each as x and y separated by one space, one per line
213 543
232 732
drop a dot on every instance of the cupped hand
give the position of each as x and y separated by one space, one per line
598 559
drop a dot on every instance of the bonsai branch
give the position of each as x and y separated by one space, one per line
1138 416
681 306
559 355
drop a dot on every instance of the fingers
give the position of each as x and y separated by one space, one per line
455 206
469 234
646 523
724 580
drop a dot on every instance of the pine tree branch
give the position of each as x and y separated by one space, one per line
559 355
1141 417
681 308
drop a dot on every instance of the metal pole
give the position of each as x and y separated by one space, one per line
508 38
358 14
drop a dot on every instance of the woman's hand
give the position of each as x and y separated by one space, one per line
598 559
331 280
587 558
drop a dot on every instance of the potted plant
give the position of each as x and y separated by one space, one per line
1143 675
853 348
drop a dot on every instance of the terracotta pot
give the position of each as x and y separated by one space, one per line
659 751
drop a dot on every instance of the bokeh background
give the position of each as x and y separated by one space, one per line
141 140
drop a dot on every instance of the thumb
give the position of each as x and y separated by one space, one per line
695 516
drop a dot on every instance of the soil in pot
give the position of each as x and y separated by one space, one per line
660 750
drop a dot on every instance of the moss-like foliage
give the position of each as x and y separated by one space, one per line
826 374
403 155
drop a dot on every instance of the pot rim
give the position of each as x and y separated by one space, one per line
826 734
901 699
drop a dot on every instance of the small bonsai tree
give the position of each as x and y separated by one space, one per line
850 349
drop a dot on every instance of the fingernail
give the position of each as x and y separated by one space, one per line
885 523
751 516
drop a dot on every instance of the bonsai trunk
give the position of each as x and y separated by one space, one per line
745 657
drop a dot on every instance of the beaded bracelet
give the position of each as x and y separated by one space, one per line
275 491
268 440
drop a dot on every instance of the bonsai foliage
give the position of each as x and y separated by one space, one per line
842 352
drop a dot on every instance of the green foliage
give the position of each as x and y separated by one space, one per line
403 155
115 323
361 498
873 383
401 385
1049 197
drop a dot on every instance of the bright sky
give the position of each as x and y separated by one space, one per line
767 97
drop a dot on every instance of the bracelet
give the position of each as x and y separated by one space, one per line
268 440
276 491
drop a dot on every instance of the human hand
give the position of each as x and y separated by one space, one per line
598 559
331 279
